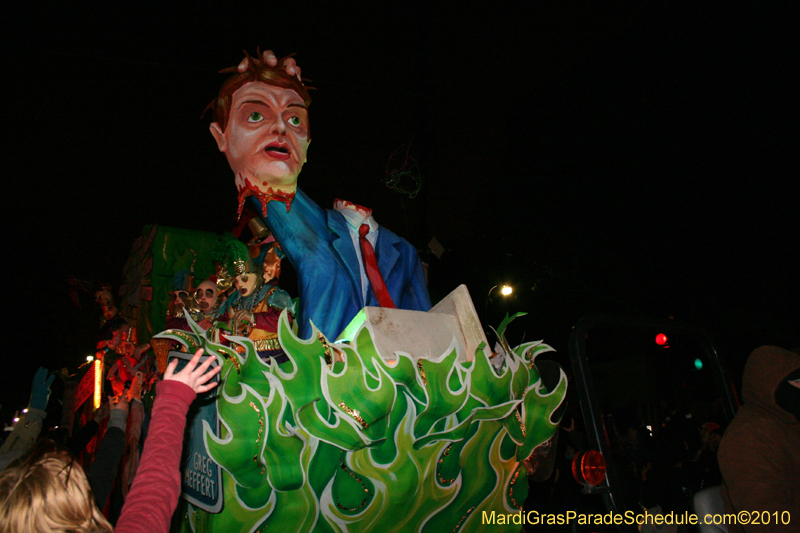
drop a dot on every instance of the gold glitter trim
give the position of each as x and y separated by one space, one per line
267 344
235 361
260 423
256 461
355 414
363 486
521 424
463 518
511 489
260 429
422 372
442 480
324 341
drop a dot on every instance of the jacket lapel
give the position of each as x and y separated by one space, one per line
387 254
343 245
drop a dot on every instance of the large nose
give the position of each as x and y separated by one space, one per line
279 126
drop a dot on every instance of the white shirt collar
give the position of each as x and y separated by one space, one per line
354 216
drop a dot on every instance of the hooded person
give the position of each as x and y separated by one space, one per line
759 455
254 309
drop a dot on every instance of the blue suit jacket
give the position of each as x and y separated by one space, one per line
318 243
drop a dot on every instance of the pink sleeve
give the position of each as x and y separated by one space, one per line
154 494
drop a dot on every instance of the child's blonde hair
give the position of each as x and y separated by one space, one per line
48 492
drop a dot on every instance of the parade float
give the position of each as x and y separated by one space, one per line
382 413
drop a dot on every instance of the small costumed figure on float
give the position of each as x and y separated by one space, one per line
253 310
113 330
132 365
207 297
180 300
201 303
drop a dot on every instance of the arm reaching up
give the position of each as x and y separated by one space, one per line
154 494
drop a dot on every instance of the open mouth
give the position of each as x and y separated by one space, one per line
277 150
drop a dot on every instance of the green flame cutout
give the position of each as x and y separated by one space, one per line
308 448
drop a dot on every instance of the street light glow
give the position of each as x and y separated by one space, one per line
506 290
89 358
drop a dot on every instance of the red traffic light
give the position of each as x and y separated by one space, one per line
661 339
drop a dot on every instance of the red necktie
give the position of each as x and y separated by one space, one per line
371 267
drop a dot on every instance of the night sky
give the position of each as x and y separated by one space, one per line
638 159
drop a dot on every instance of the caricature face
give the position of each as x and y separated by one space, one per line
109 312
206 295
119 336
177 301
266 138
246 283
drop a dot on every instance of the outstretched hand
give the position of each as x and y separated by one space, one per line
193 375
40 391
120 402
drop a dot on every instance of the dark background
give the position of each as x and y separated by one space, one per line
599 158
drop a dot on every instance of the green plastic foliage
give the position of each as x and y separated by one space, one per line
309 447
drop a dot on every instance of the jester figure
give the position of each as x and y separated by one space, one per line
253 310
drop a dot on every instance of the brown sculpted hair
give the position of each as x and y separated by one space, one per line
48 492
254 69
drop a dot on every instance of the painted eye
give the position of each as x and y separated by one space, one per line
294 121
255 116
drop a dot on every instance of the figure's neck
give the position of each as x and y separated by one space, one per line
264 195
342 205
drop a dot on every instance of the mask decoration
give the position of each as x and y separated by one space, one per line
234 257
261 125
106 301
207 296
119 338
177 303
246 283
128 341
181 298
109 312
